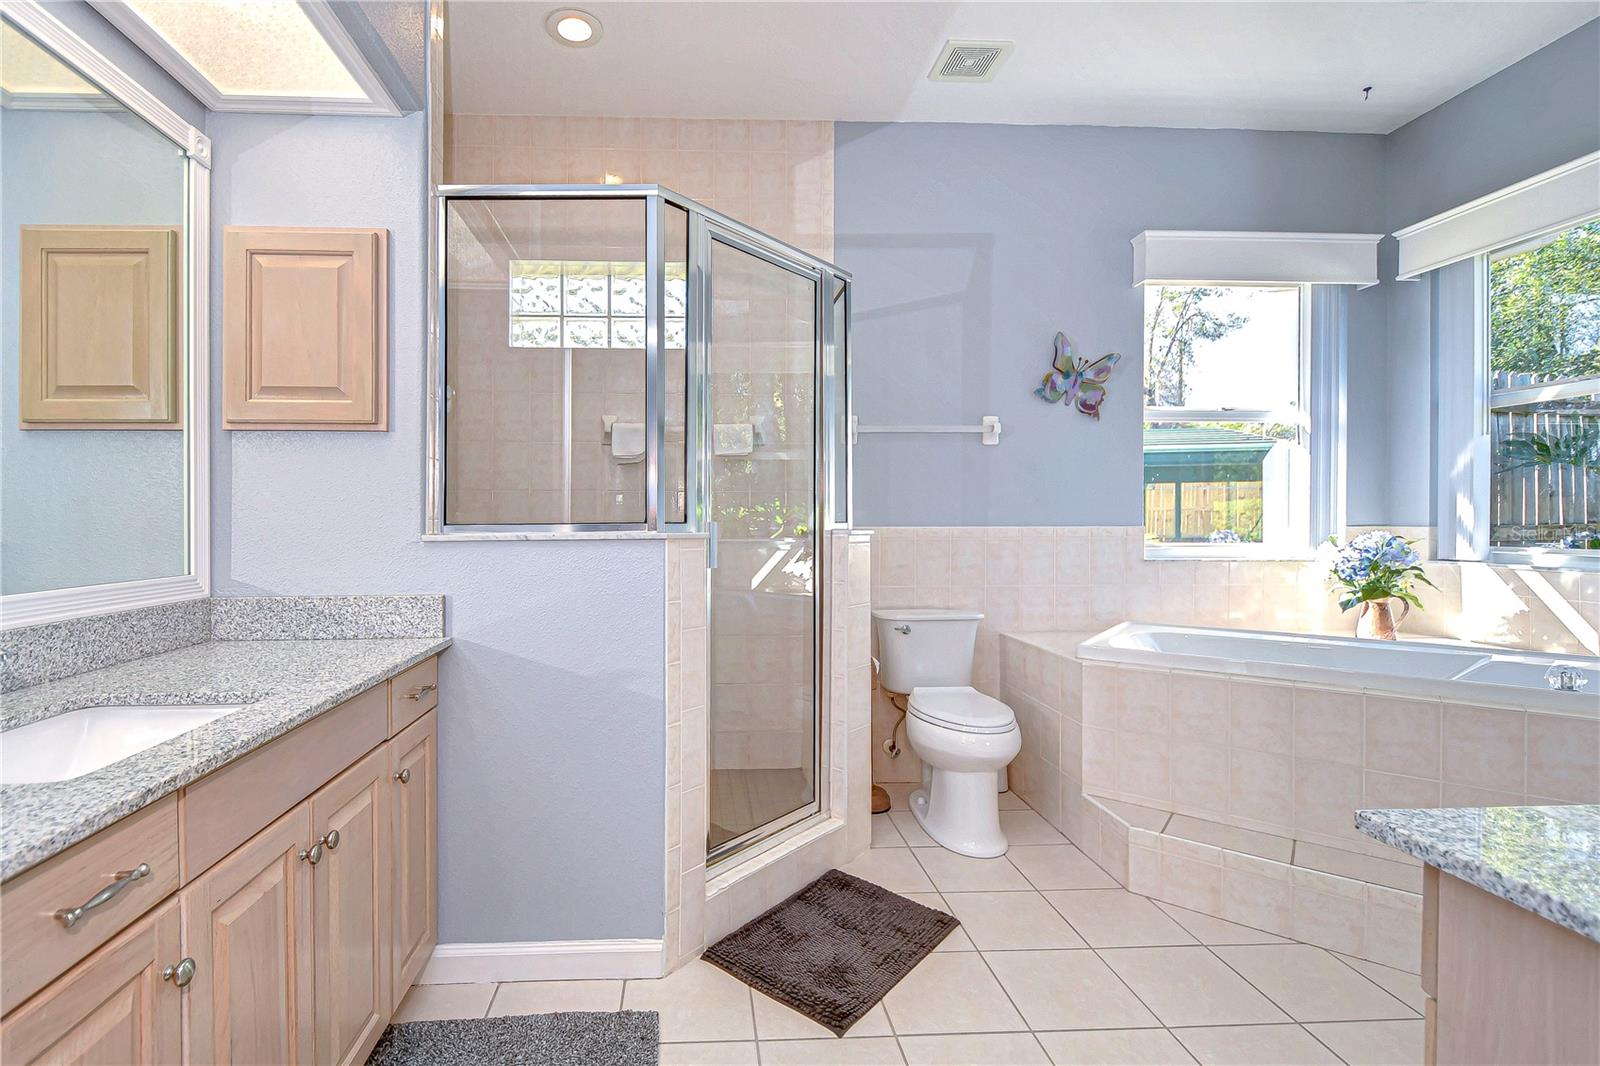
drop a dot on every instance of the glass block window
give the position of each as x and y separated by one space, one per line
556 304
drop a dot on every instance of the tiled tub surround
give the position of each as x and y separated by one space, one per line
1543 859
1237 797
33 655
283 682
1040 579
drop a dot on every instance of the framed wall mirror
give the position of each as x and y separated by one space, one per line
103 265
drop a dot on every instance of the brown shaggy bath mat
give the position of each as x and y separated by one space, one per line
834 949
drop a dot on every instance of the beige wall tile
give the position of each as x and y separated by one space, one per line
1484 747
1403 736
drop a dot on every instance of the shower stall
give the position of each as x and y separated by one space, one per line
619 359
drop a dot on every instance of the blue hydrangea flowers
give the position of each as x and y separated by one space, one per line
1377 565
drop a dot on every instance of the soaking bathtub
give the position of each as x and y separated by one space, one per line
1441 670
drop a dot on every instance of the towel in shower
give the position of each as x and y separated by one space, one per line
627 442
734 438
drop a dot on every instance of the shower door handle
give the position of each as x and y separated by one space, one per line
711 545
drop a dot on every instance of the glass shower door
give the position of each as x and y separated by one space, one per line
762 346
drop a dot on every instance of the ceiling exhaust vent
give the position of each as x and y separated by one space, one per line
970 60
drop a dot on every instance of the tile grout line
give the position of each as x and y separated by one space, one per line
1343 962
492 997
1296 1021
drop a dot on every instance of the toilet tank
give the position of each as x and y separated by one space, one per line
924 647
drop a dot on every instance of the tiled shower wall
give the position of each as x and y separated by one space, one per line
687 633
775 176
1081 578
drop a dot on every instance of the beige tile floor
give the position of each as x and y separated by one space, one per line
1053 963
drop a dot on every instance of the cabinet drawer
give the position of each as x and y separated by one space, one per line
38 944
114 1007
225 808
413 694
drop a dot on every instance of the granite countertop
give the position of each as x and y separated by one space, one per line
282 682
1543 859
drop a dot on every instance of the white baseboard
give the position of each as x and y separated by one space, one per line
542 960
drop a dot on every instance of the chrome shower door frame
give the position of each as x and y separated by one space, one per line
829 507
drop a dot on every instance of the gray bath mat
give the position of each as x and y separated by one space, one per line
575 1038
834 949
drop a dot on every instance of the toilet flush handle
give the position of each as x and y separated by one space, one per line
902 628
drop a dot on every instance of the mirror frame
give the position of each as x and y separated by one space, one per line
53 605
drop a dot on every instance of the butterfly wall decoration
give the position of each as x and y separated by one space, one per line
1074 380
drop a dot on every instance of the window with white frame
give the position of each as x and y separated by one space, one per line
1227 431
1543 393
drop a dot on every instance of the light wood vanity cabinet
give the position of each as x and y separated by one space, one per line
115 1008
247 924
414 770
291 948
350 910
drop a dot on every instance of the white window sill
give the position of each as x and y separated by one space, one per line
1546 559
1227 552
615 534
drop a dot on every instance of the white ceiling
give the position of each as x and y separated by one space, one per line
1297 66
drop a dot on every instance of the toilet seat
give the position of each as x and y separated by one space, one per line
961 708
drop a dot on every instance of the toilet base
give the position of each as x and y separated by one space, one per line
961 811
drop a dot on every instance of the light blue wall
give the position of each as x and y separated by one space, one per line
551 712
971 245
83 507
1536 114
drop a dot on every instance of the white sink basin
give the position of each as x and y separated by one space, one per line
82 741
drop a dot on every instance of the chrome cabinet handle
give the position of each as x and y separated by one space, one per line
403 776
181 974
417 693
313 854
73 915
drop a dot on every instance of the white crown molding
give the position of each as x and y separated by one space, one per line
158 48
543 960
1560 197
1232 257
25 101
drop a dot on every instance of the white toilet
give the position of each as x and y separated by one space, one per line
964 738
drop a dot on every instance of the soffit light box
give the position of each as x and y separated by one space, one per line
287 56
33 79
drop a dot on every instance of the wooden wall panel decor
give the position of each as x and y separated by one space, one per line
305 328
99 340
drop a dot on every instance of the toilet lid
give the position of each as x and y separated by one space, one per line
961 708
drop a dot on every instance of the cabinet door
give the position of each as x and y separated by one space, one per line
350 904
113 1007
413 772
304 328
247 924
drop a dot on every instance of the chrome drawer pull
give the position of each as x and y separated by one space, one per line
417 693
74 915
180 974
403 776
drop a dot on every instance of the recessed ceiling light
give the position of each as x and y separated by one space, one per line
574 28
